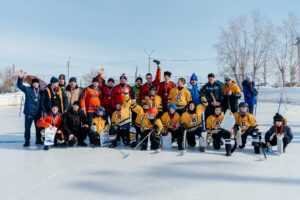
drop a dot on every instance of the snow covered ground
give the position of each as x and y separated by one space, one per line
86 173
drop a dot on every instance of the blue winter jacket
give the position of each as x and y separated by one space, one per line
194 90
32 106
250 93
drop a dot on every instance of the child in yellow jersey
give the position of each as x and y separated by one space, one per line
99 126
171 124
191 121
120 124
180 96
214 128
245 124
149 125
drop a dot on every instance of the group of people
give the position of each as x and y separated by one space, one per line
146 112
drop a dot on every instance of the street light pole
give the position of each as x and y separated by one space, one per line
149 54
68 67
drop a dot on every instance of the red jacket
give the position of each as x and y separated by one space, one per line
146 87
163 92
106 100
45 122
90 100
119 94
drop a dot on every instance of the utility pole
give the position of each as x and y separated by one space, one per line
298 47
136 72
68 68
149 54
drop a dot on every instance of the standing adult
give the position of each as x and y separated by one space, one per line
232 93
194 89
90 100
250 93
150 83
73 92
136 89
180 96
165 88
121 92
106 92
32 107
53 95
62 82
213 93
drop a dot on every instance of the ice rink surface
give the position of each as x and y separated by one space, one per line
88 174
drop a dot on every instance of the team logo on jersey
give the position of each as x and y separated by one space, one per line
178 96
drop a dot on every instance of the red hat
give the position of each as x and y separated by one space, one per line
152 111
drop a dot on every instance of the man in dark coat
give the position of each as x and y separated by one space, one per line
212 91
74 125
32 107
53 95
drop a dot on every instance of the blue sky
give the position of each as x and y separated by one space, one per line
39 36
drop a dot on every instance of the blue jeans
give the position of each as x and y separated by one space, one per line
28 122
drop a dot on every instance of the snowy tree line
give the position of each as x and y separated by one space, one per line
253 46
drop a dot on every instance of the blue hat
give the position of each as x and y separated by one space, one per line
54 80
172 106
194 77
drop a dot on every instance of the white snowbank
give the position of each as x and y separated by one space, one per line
11 99
289 95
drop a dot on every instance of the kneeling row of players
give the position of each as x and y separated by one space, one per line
152 130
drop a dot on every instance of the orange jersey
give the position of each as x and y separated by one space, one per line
90 100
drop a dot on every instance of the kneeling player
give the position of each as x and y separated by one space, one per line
74 126
171 124
99 126
245 125
280 131
52 121
191 121
150 127
120 124
214 128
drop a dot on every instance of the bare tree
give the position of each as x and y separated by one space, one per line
87 78
232 48
7 80
244 46
262 39
284 51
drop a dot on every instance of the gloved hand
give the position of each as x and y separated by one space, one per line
236 127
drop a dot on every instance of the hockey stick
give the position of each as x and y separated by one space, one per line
141 142
255 109
184 140
264 152
203 144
